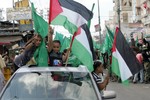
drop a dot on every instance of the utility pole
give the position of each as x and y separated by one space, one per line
118 11
13 20
99 21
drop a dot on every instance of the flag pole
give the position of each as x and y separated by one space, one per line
118 11
70 48
13 20
68 53
99 26
89 22
99 20
50 9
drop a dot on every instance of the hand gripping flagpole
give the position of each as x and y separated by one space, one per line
68 53
69 50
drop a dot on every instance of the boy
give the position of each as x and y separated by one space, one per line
56 58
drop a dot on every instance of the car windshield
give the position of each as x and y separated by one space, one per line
50 86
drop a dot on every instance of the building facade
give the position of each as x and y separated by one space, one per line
130 20
143 14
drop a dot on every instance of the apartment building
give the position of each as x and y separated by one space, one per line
143 14
128 17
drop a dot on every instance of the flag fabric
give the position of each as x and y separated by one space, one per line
108 42
65 44
82 46
59 36
96 45
89 22
41 27
74 61
106 45
136 41
111 34
124 61
69 14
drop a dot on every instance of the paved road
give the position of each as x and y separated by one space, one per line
131 92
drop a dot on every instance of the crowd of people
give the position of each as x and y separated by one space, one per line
141 50
56 58
25 55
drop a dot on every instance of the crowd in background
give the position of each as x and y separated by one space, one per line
24 56
142 53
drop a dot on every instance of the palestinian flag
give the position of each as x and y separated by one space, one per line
124 61
82 46
69 14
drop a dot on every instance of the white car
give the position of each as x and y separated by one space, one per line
51 83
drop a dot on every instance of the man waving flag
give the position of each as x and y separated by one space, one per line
69 14
41 27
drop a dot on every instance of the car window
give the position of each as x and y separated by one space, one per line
50 86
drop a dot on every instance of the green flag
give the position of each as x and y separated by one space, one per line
96 45
41 27
89 22
74 61
111 34
136 41
108 42
59 37
65 44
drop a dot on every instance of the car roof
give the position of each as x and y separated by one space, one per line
81 68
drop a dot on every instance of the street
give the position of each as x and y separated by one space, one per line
72 33
131 92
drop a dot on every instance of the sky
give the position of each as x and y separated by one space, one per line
105 7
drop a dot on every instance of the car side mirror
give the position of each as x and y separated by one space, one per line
108 94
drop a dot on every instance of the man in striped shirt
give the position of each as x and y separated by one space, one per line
101 81
98 76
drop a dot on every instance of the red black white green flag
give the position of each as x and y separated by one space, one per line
124 61
69 14
82 46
